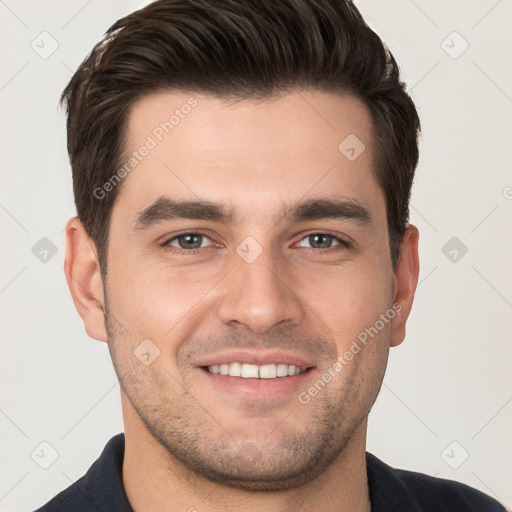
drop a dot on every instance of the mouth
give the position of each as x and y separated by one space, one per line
254 371
240 383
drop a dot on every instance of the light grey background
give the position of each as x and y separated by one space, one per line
448 389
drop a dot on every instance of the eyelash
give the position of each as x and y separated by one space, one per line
343 244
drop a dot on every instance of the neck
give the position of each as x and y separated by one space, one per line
155 480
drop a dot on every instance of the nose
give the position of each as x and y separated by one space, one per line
259 295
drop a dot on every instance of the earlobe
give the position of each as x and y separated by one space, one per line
406 280
84 279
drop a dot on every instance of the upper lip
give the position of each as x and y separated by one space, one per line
252 357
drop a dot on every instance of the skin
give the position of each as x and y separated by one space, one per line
189 446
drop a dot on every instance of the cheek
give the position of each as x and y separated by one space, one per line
154 299
348 300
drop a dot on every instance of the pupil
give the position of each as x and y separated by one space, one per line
189 241
320 240
194 241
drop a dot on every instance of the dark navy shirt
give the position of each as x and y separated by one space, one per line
391 490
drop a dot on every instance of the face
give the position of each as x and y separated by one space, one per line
245 235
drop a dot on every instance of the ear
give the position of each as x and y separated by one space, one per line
84 279
406 280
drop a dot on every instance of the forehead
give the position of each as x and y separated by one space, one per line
250 153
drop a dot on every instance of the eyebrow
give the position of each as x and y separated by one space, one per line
165 209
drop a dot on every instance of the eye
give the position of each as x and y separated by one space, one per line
186 242
193 241
323 241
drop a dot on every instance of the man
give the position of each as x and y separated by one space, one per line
242 173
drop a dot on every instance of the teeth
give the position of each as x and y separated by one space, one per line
250 371
253 371
268 371
282 370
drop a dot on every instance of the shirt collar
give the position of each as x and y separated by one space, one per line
387 490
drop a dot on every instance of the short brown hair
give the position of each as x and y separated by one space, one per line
235 49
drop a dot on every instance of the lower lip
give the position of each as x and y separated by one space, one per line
258 389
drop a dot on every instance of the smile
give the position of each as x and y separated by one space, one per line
254 371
